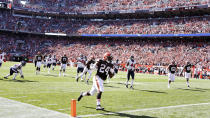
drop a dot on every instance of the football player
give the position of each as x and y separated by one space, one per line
64 61
80 66
104 68
88 69
1 58
17 68
45 62
172 68
49 63
187 70
130 71
116 66
54 62
38 60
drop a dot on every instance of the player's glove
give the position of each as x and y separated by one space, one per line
22 76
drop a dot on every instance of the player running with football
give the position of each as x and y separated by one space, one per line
17 68
87 69
38 60
64 62
104 68
130 71
172 68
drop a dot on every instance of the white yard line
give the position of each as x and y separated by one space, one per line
14 109
147 109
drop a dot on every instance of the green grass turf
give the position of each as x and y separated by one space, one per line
55 93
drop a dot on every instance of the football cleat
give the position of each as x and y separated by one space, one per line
99 107
77 79
126 85
80 97
5 78
188 86
131 87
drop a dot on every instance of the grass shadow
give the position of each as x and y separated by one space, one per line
202 89
119 114
153 91
23 81
50 75
111 86
190 89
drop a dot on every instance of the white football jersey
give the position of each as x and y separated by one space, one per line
54 60
131 64
49 60
1 57
80 63
116 65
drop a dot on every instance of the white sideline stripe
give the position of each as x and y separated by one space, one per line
14 109
147 109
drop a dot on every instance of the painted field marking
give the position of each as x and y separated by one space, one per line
14 109
147 109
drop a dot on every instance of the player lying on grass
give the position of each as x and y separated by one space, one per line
104 67
17 68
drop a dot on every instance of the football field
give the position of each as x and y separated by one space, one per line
151 98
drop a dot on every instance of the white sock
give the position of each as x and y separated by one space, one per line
15 75
132 82
127 83
98 101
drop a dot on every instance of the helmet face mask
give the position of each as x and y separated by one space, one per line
132 57
108 57
23 63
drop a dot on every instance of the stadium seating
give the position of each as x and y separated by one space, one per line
146 52
104 5
189 25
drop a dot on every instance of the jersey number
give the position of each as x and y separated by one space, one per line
104 69
173 68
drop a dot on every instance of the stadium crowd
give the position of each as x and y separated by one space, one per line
158 52
103 5
189 25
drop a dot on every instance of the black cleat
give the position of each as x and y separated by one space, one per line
80 97
5 78
126 86
131 87
77 79
99 107
188 86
